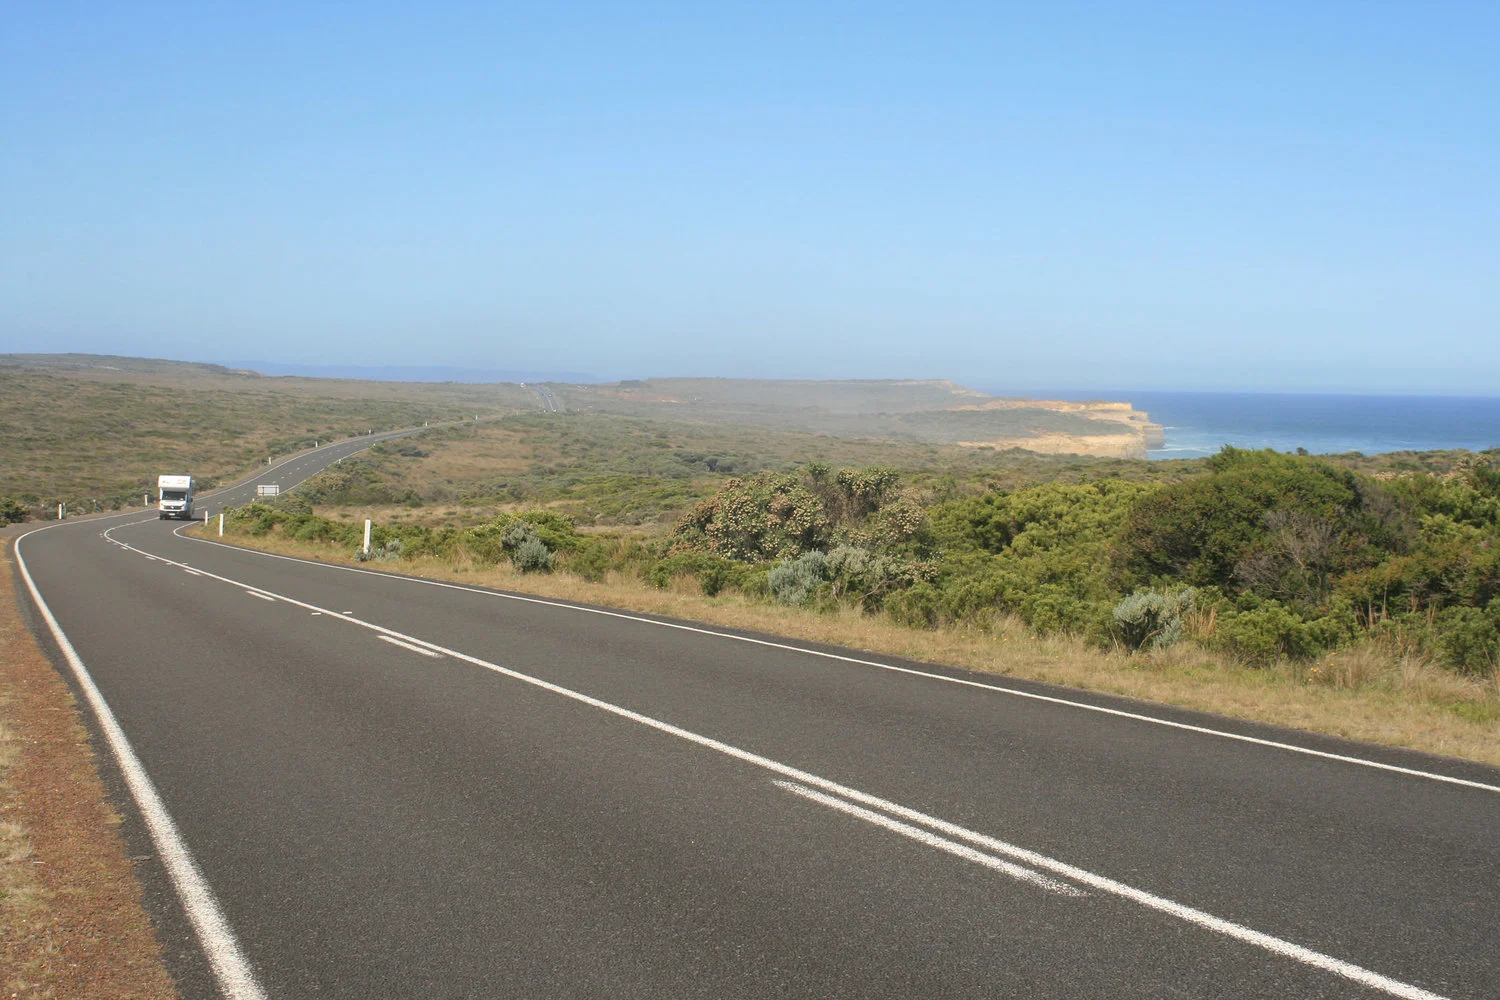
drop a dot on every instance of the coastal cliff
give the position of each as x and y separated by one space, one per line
1125 432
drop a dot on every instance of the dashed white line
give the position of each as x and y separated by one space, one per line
407 645
263 597
191 572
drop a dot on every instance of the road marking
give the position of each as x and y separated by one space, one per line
964 682
263 597
191 572
933 840
1199 918
230 967
407 645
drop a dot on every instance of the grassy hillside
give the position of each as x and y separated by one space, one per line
80 440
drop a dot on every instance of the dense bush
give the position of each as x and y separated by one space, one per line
1468 639
771 516
1265 632
1281 526
11 511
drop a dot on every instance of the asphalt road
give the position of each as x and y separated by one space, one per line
384 787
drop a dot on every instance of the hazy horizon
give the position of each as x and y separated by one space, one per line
1149 197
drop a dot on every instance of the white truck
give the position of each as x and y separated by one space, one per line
176 497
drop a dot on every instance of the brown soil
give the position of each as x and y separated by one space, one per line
71 922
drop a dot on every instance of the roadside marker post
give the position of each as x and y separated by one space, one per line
60 511
221 524
367 536
145 499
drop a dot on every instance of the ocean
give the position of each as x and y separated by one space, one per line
1200 423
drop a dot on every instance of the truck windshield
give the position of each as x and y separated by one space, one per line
174 494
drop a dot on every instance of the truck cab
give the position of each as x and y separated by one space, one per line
175 497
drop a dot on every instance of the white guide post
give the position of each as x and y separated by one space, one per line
367 536
145 499
60 511
221 524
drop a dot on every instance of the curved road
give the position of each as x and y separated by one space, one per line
354 785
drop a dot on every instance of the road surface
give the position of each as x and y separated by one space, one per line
357 785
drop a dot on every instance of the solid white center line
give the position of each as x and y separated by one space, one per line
263 597
933 840
407 645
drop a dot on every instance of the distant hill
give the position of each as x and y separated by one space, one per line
394 373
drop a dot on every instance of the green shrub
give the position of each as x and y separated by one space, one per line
11 512
794 581
590 561
1265 633
532 556
1468 639
1150 619
712 579
915 607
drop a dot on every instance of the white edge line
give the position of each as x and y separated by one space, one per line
997 688
1200 918
407 645
231 968
1015 871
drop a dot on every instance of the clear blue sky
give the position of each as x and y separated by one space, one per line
1283 196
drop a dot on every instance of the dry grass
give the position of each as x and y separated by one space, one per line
490 451
1361 694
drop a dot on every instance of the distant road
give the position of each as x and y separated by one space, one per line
550 402
394 788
